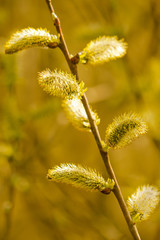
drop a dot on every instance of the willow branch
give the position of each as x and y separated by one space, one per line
94 128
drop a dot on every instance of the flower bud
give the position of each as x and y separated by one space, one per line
76 114
103 49
80 177
142 203
124 129
60 84
30 37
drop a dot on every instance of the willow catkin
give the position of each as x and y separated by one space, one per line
80 177
142 203
60 84
76 114
103 49
124 129
30 37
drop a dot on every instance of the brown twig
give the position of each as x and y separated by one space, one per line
94 128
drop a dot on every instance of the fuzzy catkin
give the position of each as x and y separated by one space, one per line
79 177
60 84
30 37
103 49
124 129
76 114
142 203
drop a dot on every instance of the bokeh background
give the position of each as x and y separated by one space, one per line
35 134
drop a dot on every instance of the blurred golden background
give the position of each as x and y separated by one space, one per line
35 134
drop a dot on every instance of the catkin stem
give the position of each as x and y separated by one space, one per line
94 128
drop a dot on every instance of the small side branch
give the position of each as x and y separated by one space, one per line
50 6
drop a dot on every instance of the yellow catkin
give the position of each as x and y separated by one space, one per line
30 37
76 114
103 49
124 129
79 177
142 203
60 84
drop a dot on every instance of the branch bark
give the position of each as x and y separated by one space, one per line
73 68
